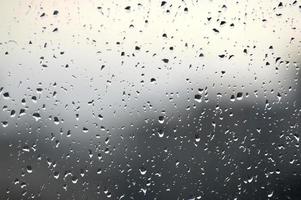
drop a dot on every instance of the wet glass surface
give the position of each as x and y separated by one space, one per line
150 99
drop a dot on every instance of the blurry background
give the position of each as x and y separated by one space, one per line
150 99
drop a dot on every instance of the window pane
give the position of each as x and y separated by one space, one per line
150 99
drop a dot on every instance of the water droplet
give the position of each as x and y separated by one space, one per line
29 169
161 119
142 170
